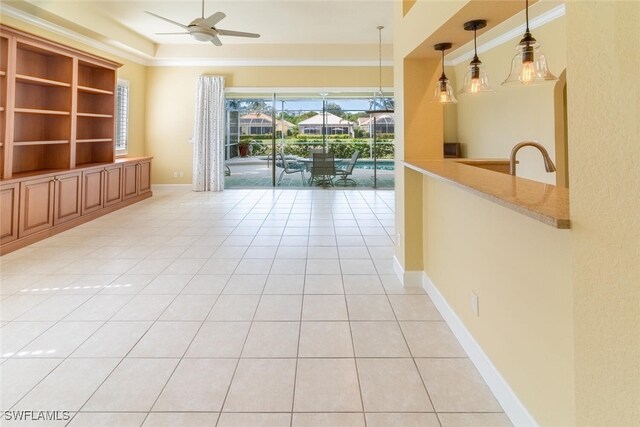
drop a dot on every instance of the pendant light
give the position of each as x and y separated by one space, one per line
444 92
380 104
529 66
476 80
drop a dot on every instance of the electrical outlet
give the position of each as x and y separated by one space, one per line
175 174
181 174
475 304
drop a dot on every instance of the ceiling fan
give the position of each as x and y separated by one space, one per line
204 30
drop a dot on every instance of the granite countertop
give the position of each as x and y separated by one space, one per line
544 202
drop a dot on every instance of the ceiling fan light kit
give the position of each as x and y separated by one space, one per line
204 30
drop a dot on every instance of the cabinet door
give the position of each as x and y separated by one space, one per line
92 190
9 212
68 200
36 206
145 177
130 186
112 185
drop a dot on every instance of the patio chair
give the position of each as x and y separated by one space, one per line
344 173
323 168
289 167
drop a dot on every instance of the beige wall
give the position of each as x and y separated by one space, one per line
518 267
604 130
134 72
171 103
490 124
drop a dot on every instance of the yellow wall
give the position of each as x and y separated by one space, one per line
518 267
490 124
134 72
604 131
171 104
559 310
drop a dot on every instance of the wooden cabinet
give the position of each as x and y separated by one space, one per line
130 186
68 197
112 185
137 178
144 180
57 150
101 188
45 202
36 206
92 190
9 212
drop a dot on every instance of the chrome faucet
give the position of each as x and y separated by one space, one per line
548 164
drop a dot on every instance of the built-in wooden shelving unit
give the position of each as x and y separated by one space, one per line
57 151
57 106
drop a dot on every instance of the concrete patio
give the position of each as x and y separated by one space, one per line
252 172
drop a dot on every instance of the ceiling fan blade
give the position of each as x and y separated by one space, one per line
214 19
215 40
171 34
167 19
237 33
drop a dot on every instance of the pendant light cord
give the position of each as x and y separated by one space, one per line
202 9
526 11
380 58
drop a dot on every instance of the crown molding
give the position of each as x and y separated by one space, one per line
248 62
540 20
114 47
108 46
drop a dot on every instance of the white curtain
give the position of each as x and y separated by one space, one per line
208 135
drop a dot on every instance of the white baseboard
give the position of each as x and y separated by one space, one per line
170 185
512 406
409 279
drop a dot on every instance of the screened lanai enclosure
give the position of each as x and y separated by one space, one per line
308 140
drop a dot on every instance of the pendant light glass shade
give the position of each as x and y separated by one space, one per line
529 65
444 91
475 80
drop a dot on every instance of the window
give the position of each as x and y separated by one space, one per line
122 116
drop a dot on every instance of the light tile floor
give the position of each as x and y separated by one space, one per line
241 308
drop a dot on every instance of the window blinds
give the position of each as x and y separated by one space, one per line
122 115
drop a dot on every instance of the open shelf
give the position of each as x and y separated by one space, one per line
95 115
40 157
39 81
86 141
40 63
92 76
94 90
36 111
3 73
95 152
41 127
95 103
45 98
94 127
50 142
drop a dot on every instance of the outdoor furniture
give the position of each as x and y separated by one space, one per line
323 168
289 168
344 173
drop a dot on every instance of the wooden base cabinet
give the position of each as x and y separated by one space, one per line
35 208
137 179
9 195
92 190
68 197
112 185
